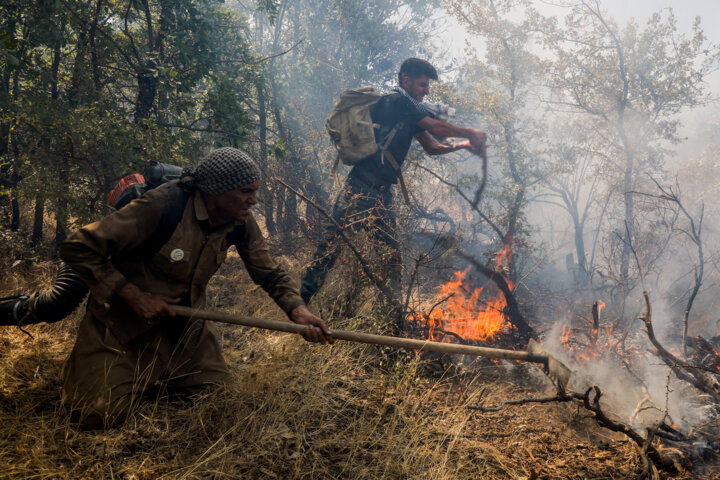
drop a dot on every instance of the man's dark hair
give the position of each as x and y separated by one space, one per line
416 68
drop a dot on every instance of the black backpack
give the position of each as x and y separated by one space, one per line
135 185
68 289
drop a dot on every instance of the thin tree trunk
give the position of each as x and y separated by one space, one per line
290 217
280 197
515 205
580 251
38 222
629 214
147 80
268 194
146 92
60 224
78 70
93 51
15 209
61 212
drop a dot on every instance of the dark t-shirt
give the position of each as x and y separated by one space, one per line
388 112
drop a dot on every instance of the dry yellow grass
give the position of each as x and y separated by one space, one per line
295 410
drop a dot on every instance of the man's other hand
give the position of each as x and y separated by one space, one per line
477 141
147 305
315 330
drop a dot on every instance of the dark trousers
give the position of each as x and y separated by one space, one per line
357 206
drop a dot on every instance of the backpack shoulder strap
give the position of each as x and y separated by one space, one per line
169 219
401 180
235 236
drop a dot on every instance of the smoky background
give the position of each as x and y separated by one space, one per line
603 133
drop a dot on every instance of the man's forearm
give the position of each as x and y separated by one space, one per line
445 129
442 148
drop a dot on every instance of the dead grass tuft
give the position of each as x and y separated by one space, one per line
294 410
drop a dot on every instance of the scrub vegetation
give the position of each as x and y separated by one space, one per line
296 410
593 229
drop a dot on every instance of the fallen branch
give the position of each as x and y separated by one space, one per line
562 397
590 400
693 374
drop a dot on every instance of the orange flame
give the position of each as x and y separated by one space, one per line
565 338
593 350
465 314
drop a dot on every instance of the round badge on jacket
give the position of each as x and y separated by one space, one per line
177 255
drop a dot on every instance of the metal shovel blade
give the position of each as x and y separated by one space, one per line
554 368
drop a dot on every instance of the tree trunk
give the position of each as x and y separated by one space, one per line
60 224
516 204
93 51
290 217
580 252
146 92
268 209
280 210
15 209
268 194
61 211
629 214
38 222
78 70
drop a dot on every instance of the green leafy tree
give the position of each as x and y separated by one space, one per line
630 83
499 86
91 89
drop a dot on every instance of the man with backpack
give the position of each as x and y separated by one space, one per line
130 341
396 119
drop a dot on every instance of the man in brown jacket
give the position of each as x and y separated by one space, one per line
130 340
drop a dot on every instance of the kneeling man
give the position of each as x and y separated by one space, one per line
130 340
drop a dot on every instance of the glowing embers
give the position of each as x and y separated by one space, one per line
461 310
590 348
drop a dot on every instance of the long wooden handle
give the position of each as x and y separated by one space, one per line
399 342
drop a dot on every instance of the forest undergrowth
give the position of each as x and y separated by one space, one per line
296 410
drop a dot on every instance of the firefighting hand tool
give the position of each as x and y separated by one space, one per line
535 354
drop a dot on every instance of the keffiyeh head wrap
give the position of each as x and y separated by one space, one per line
222 170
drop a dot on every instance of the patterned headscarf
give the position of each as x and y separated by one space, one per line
224 169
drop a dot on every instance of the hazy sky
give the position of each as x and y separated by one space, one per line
685 11
623 10
696 122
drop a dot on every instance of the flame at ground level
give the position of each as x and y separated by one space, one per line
463 313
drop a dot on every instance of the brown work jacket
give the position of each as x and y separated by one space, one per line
105 255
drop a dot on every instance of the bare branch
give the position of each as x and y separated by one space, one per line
387 293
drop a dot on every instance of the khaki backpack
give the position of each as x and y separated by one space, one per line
350 125
352 130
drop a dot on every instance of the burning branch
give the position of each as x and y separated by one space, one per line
693 374
512 310
595 310
474 203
